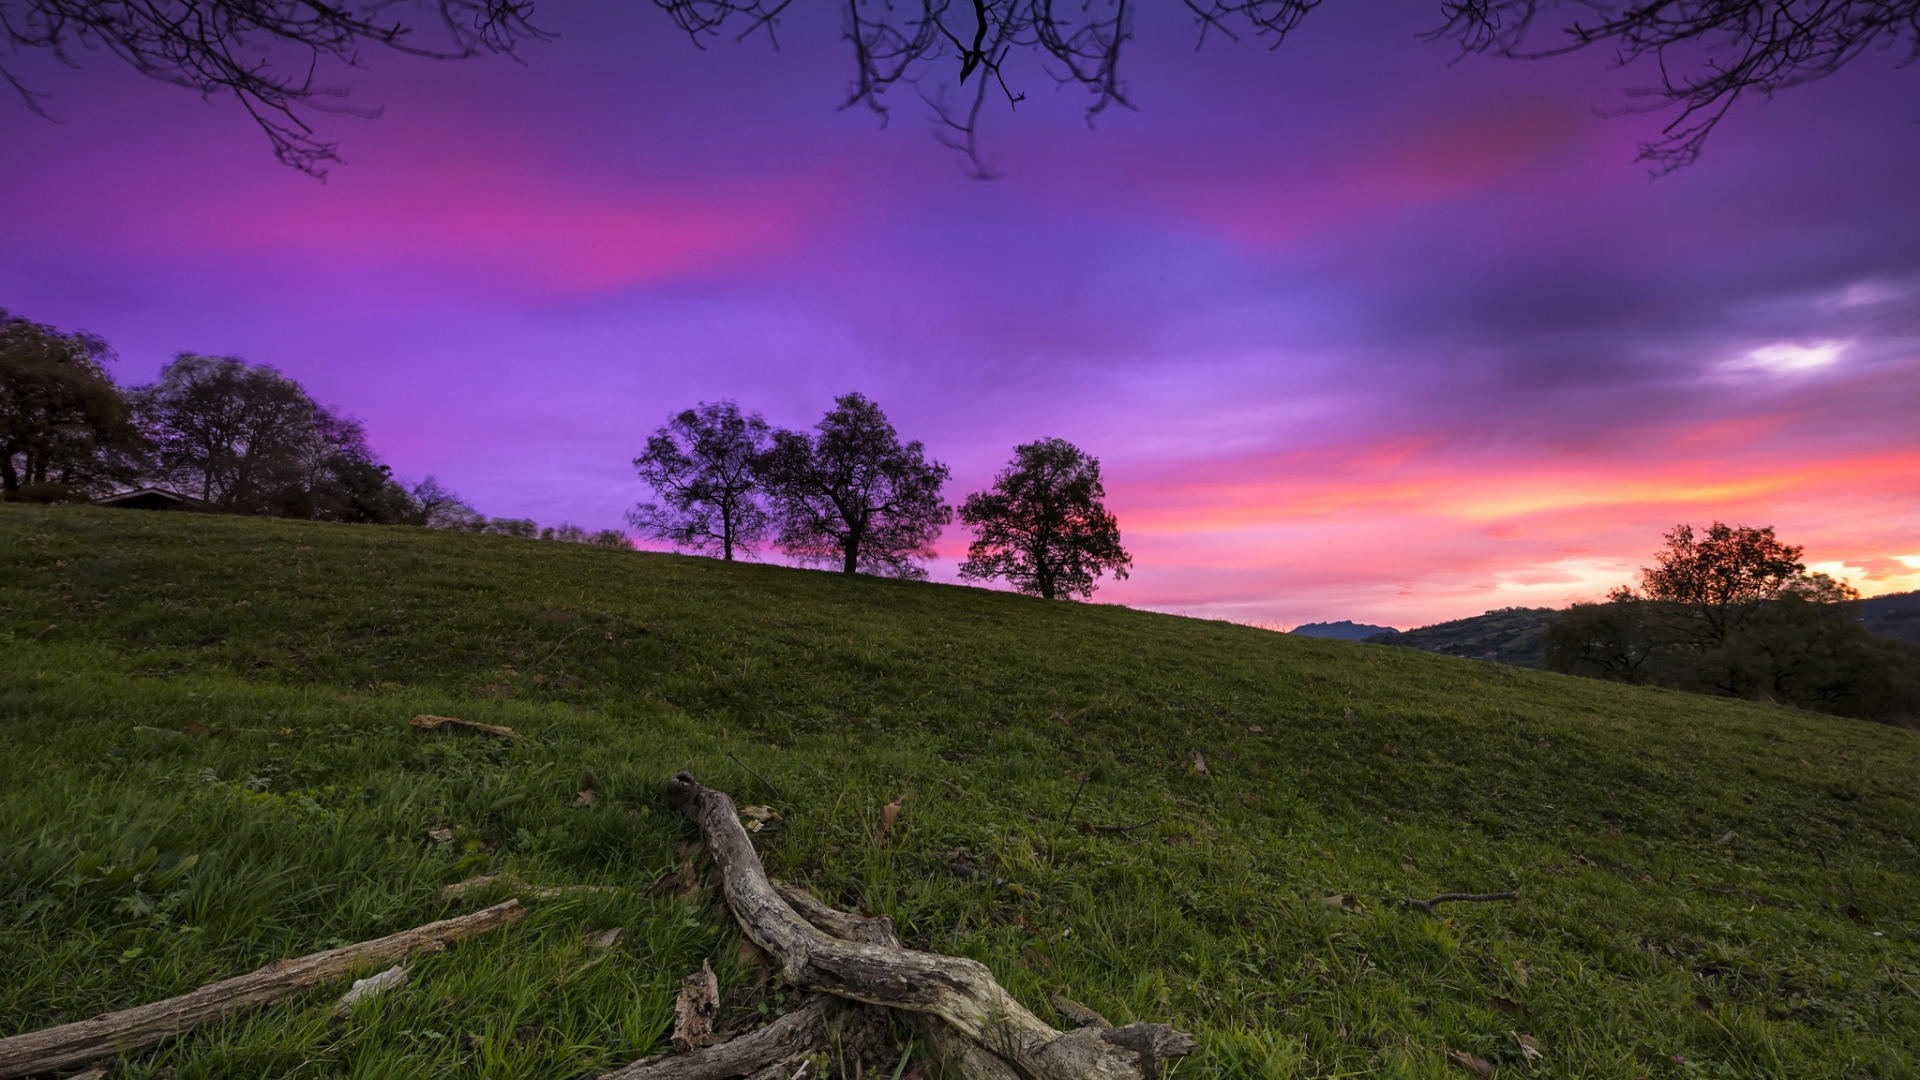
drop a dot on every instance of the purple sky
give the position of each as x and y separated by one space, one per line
1357 332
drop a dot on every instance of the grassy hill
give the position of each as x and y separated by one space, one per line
1708 887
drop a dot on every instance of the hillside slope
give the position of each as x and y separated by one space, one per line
210 767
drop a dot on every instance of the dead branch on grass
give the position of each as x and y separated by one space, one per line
129 1029
1453 897
426 722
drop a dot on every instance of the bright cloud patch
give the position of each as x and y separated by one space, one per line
1789 359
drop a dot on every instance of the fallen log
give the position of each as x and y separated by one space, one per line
958 991
129 1029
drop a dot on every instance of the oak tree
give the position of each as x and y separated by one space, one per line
704 469
853 494
1043 527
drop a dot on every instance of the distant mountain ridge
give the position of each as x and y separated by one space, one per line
1344 630
1895 615
1517 636
1514 636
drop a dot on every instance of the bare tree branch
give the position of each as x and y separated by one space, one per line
266 53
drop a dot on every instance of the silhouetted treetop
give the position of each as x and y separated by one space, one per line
1043 526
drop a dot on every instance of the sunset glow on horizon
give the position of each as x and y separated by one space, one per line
1356 333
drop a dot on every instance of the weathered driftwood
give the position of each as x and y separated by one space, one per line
959 991
118 1032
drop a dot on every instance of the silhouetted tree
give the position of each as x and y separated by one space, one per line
248 439
1043 527
1707 54
1721 575
66 431
437 507
704 467
228 432
854 494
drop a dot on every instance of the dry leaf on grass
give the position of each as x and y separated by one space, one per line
1254 729
585 798
1200 764
1506 1005
440 835
605 939
1344 902
426 722
1479 1066
1390 751
1529 1049
756 818
889 814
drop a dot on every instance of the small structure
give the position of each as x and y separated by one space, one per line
152 498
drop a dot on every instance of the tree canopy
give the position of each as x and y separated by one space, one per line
246 438
1706 54
852 493
65 428
1042 527
704 466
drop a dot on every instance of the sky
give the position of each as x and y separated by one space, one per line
1357 329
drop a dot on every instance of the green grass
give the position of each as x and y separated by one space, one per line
135 865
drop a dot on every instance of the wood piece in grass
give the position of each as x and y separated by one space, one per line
783 1042
129 1029
426 722
694 1009
960 991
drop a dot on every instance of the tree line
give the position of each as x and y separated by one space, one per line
232 436
1731 610
247 439
851 495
